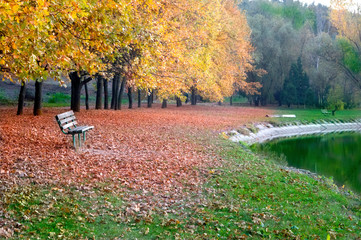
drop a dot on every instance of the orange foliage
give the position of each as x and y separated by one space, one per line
179 44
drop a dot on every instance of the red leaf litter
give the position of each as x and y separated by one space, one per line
151 149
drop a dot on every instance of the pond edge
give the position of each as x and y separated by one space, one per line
262 132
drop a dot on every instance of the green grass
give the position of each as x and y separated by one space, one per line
249 196
5 100
63 100
315 114
236 99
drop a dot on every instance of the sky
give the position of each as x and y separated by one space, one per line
323 2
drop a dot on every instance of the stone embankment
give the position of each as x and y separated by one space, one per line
264 131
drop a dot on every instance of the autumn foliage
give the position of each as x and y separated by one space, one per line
346 17
175 45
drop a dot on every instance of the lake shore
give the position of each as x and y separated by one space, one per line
263 132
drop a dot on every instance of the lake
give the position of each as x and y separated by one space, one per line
332 155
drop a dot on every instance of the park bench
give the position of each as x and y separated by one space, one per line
325 112
67 123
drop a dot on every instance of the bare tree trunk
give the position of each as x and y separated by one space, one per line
139 98
149 99
75 91
112 103
164 103
86 96
193 96
116 83
120 94
179 102
38 98
106 93
98 102
130 97
231 100
21 98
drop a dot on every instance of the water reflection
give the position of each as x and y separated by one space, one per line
336 155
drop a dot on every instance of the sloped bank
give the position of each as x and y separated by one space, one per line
263 132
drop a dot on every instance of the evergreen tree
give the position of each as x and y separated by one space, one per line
289 94
301 81
296 85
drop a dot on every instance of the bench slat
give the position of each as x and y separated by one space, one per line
65 115
80 129
66 120
68 125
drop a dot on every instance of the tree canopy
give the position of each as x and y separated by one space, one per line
166 45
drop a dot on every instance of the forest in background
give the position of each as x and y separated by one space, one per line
309 60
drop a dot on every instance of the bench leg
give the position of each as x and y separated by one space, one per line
79 139
84 137
74 141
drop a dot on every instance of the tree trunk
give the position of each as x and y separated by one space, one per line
164 103
149 99
116 82
231 101
120 94
21 98
75 91
38 98
86 96
130 97
179 102
106 99
112 103
98 102
139 98
219 103
193 96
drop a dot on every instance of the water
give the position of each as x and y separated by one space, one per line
333 155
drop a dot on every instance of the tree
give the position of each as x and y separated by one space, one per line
275 41
301 82
346 17
167 45
44 39
210 49
334 99
21 98
289 94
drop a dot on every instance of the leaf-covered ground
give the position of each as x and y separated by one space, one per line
157 173
142 148
161 151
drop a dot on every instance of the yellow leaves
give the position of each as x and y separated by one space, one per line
73 15
41 3
179 42
14 8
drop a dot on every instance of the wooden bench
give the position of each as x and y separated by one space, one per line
67 123
325 112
